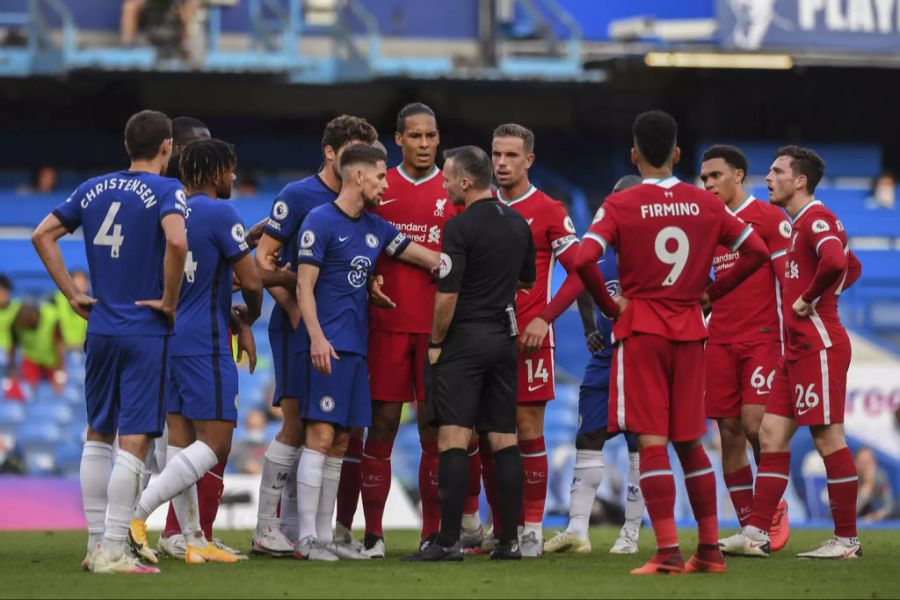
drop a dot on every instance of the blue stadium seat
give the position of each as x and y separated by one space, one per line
50 412
11 415
38 443
68 457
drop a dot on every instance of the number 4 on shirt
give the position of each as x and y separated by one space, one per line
110 233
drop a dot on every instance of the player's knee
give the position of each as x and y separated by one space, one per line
529 425
828 439
772 440
291 433
385 424
320 437
592 440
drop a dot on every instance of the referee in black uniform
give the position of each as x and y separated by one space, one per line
488 253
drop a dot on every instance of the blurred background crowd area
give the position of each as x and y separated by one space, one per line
266 75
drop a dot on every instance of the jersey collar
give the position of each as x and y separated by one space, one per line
512 201
804 209
667 183
421 180
750 198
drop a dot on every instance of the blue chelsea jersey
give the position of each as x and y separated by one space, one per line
345 250
289 210
215 235
610 271
121 214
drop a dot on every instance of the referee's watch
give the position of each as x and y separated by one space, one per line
433 344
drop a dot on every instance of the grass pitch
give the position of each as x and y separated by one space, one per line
47 564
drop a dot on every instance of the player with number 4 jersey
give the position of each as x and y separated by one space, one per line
657 374
512 154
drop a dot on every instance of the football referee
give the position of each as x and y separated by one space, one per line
488 252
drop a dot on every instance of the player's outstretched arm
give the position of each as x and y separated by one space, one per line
589 252
754 254
321 350
420 256
251 287
45 239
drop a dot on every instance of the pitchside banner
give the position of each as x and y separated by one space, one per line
836 25
873 397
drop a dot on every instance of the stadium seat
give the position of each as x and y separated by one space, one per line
68 457
38 444
57 411
11 415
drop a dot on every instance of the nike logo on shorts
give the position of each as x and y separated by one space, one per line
531 388
344 238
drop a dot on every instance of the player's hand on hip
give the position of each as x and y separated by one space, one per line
802 308
322 352
376 296
705 302
246 343
167 311
594 340
533 337
622 301
433 355
82 304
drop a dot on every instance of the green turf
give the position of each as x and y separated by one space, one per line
46 564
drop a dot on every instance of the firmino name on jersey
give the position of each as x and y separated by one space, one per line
126 185
675 209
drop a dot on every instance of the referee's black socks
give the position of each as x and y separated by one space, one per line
510 483
453 486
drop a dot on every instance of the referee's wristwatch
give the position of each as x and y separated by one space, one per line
433 344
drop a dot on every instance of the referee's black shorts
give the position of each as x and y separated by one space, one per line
473 383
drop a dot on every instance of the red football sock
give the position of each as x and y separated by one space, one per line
172 526
534 462
771 480
740 488
348 488
375 477
700 482
488 475
658 488
471 506
843 486
209 494
429 465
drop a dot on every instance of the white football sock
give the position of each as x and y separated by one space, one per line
331 479
588 477
634 500
123 489
187 508
310 474
96 464
471 522
149 464
290 521
161 450
276 468
186 468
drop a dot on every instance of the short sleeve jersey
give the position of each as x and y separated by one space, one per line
554 234
121 215
289 210
345 250
751 311
665 233
487 250
420 209
216 241
814 226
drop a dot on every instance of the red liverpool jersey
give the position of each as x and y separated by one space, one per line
554 233
752 311
813 226
665 233
419 208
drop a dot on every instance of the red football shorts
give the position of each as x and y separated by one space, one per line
656 387
33 373
812 388
738 374
397 366
537 376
